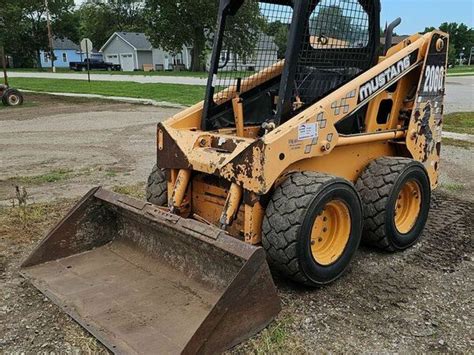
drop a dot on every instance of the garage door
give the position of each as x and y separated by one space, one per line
127 62
112 58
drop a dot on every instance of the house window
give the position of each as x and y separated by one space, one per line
45 57
64 57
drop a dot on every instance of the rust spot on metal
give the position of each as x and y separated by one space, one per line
172 157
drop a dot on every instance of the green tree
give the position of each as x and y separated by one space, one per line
23 29
331 22
99 21
452 56
173 24
279 31
460 36
96 23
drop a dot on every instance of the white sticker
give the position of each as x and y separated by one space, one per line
307 131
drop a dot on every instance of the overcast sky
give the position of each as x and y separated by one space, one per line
418 14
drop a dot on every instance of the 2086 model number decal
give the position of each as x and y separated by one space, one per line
434 79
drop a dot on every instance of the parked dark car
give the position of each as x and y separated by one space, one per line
94 64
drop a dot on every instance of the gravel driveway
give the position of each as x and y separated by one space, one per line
100 143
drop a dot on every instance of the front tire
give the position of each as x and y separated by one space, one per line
396 194
157 187
312 227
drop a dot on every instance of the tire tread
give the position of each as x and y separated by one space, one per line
284 216
157 187
375 186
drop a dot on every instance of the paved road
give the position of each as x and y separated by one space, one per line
143 79
460 94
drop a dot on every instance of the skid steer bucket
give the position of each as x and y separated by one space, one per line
145 281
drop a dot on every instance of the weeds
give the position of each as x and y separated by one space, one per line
454 187
28 221
110 174
137 190
52 176
278 338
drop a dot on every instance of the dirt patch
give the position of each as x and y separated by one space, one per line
28 321
37 105
415 301
457 171
97 142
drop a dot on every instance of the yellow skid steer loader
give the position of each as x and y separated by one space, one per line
298 152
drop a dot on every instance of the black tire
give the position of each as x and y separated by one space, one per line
12 97
288 222
379 187
157 187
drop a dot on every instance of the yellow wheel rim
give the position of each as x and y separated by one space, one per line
330 233
408 206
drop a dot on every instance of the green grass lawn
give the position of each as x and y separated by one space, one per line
468 70
180 94
459 122
202 75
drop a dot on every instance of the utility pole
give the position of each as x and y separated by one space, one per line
4 65
50 36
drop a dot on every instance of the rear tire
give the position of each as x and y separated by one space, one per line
312 227
157 187
12 97
396 194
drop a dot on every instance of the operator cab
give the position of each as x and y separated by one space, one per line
296 53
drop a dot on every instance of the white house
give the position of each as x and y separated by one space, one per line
134 51
265 55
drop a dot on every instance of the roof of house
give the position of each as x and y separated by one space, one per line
266 42
64 44
137 40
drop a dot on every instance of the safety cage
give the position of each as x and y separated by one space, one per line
282 56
